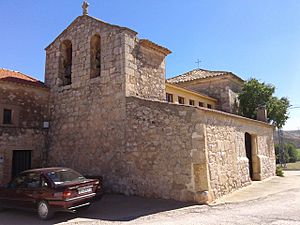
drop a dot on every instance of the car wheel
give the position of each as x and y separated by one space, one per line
44 211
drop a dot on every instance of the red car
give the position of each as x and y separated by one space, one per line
49 190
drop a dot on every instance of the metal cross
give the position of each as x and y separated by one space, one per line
198 63
85 6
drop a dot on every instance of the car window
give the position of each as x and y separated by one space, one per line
64 175
33 180
19 181
44 182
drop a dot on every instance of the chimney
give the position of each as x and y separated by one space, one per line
262 114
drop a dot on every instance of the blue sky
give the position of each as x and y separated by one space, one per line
252 38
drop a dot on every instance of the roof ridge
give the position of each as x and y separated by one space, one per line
200 73
19 77
15 71
198 69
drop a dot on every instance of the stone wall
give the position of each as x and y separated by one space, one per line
185 153
88 117
228 164
20 139
145 72
222 88
29 104
29 107
158 149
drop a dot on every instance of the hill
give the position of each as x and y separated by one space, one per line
289 136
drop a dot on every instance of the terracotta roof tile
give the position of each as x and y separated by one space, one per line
17 77
198 74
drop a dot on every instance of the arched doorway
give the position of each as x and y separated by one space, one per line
248 147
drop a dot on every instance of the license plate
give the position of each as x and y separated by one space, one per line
84 190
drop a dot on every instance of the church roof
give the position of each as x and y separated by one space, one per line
200 74
20 78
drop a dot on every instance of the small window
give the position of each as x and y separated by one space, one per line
7 116
169 97
192 102
180 100
95 56
201 104
209 106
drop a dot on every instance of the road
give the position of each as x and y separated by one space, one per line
280 206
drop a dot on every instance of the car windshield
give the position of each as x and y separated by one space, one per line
65 175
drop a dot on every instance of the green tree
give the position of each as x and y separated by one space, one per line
278 111
290 153
291 149
255 94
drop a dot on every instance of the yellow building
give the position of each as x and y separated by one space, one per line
183 96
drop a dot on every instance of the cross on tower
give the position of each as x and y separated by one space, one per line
198 63
85 6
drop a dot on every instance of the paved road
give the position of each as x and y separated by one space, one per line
281 205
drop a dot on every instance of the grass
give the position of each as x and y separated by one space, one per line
293 166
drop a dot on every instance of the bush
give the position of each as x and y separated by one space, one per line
279 171
290 153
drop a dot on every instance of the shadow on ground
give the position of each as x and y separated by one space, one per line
109 208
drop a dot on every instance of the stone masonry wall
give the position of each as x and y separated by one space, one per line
223 89
29 107
180 152
87 127
159 149
228 164
20 139
145 72
29 104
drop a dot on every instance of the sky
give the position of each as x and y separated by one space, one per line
251 38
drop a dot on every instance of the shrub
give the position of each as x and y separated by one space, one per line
279 171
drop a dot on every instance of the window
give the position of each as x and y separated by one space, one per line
95 55
33 180
65 63
180 100
19 181
201 104
7 116
209 106
169 97
192 102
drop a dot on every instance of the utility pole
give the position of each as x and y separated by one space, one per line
281 148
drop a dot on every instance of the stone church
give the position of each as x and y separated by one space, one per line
103 111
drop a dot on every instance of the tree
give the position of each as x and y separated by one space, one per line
278 111
255 94
290 153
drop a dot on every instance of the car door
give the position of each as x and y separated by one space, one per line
31 190
12 197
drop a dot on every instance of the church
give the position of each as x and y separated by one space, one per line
106 109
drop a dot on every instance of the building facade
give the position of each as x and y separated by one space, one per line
23 110
108 116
